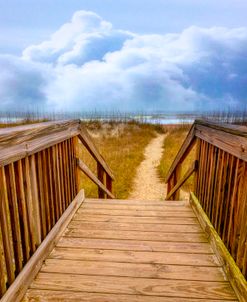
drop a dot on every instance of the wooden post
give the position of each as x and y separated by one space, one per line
100 172
77 176
198 150
177 176
108 183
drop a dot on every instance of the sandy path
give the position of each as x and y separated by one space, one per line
147 184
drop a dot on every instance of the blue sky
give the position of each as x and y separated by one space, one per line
129 55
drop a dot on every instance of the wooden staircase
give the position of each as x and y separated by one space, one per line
127 250
55 245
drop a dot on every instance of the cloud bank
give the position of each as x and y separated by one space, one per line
88 64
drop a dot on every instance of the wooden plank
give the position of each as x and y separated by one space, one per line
135 245
62 176
19 142
5 223
135 207
227 128
84 168
232 144
136 213
41 191
35 197
137 235
21 283
51 186
89 144
178 258
54 176
14 213
136 219
178 185
187 145
3 269
233 273
135 270
65 167
68 172
132 286
34 238
64 296
135 202
23 213
168 228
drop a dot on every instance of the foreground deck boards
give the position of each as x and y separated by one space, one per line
121 250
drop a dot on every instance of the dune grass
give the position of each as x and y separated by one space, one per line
172 144
122 146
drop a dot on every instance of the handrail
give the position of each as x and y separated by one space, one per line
220 183
199 130
38 182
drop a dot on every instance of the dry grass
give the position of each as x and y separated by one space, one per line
122 146
172 144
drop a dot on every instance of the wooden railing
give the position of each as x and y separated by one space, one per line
220 181
38 182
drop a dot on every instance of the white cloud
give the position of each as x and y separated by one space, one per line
88 64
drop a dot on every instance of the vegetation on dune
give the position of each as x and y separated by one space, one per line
172 144
122 146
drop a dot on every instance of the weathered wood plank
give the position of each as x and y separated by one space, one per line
19 142
23 213
5 224
135 245
135 270
3 269
232 144
135 202
178 258
35 198
132 286
167 228
33 227
136 213
141 207
227 128
14 215
136 219
137 235
64 296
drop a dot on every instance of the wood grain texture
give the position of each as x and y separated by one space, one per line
131 259
34 295
135 270
19 142
136 235
136 219
97 254
151 227
232 144
133 286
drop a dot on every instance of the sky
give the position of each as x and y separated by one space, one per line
159 55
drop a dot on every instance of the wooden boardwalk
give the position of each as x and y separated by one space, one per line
122 250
